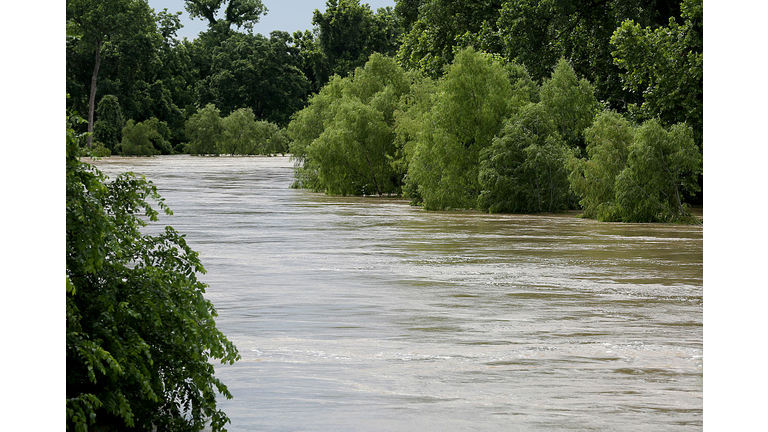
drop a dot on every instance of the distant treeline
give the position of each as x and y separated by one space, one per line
443 127
486 136
520 106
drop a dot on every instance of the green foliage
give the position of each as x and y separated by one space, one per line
662 164
240 13
351 153
636 174
139 333
204 130
569 102
99 150
108 128
145 138
537 33
348 33
343 142
472 100
243 135
666 66
440 30
593 179
523 171
251 71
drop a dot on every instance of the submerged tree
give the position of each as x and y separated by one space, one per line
593 179
662 165
108 129
140 335
523 171
472 101
636 174
344 140
204 130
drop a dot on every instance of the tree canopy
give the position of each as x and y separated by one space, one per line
445 102
139 333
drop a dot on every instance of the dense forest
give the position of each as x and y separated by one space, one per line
502 106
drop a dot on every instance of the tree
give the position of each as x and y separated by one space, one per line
523 171
251 71
352 151
473 99
108 129
594 179
204 130
536 33
344 140
139 332
569 102
146 138
241 13
98 22
666 66
239 132
243 135
347 33
442 27
662 165
307 125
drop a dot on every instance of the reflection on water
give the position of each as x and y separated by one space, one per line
367 314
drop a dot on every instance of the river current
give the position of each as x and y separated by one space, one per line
368 314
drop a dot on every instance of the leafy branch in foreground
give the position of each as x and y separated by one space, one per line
139 331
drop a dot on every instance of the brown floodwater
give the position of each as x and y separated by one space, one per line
367 314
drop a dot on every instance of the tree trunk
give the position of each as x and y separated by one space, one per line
92 99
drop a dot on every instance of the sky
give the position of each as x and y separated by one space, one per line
285 15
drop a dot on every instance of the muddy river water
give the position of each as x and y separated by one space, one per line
367 314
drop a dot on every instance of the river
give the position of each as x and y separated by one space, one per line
367 314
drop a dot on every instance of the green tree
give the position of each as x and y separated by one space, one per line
570 103
251 71
344 140
146 138
108 129
239 132
140 335
442 27
662 165
205 129
307 125
347 33
472 101
240 13
351 153
593 179
536 33
523 171
98 23
666 66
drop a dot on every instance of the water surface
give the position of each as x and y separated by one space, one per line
367 314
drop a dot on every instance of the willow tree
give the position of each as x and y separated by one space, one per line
472 101
661 166
344 140
204 130
593 178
